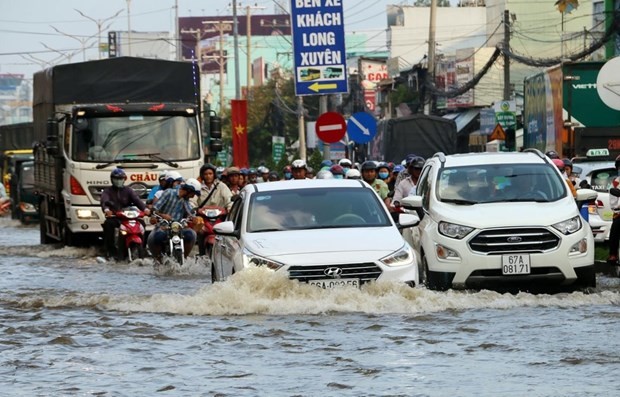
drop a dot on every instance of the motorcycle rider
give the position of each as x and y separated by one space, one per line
5 201
298 168
369 175
408 186
174 205
113 199
160 186
614 232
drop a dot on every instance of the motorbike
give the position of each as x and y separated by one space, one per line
174 232
129 237
212 215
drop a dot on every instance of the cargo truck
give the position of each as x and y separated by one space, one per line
141 115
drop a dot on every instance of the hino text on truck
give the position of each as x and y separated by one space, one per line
141 115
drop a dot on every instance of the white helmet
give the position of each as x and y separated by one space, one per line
345 163
353 174
174 176
192 185
299 163
324 174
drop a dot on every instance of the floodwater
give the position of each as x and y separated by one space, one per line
72 326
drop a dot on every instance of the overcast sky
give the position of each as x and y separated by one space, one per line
29 42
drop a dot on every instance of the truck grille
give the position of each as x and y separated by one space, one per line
500 241
364 271
141 191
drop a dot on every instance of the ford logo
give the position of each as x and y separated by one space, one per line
333 272
514 239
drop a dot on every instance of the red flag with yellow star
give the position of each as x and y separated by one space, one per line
239 117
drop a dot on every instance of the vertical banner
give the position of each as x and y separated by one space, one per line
239 117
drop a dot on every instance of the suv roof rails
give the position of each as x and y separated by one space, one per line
535 151
441 156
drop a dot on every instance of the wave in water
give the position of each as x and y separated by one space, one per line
260 291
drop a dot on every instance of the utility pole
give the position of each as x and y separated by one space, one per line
236 44
507 90
431 55
99 23
301 127
177 36
198 35
128 27
220 26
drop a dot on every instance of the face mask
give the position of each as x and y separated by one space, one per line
118 182
345 169
383 175
338 176
288 175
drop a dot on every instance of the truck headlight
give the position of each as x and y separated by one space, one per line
453 230
402 257
86 214
568 226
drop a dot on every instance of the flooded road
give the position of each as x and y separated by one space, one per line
76 327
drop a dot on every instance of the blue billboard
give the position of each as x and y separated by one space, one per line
320 59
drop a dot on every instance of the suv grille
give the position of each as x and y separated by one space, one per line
500 241
364 271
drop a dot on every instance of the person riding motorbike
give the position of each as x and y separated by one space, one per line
298 168
114 198
369 175
215 193
174 205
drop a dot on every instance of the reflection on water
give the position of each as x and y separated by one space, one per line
72 325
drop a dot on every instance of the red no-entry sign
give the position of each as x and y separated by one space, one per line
330 127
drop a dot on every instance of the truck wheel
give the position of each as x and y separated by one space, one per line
68 237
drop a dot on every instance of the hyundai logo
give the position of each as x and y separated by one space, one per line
514 239
333 272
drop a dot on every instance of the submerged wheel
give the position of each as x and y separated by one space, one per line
213 278
438 281
45 239
178 256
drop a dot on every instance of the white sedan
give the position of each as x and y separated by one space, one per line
326 232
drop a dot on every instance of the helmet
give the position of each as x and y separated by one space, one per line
252 171
369 165
398 168
207 166
173 176
383 165
244 171
324 174
219 171
262 169
552 154
326 163
118 173
559 163
567 163
118 177
273 175
345 163
336 170
414 161
162 175
192 186
299 163
353 174
232 171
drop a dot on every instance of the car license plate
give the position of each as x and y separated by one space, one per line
515 264
336 283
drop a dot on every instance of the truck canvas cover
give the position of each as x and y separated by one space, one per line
420 134
16 136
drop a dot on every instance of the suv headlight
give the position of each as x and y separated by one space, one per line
401 257
453 230
249 259
569 226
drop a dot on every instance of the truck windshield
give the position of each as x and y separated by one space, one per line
136 137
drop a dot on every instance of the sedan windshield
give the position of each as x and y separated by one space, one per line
315 208
500 182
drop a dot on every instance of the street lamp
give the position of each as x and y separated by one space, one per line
99 23
82 40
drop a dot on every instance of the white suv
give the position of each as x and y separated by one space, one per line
501 220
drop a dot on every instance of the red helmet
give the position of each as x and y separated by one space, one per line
559 163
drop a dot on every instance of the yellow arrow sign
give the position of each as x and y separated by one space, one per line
316 87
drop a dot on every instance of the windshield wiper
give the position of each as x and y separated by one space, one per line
157 156
459 201
107 163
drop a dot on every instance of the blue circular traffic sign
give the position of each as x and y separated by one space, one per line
361 127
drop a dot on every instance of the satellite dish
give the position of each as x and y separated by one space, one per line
608 83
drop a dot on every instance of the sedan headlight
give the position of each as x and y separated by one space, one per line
249 259
402 257
569 226
453 230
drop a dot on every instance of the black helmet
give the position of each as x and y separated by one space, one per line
369 165
552 154
415 162
567 163
208 166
